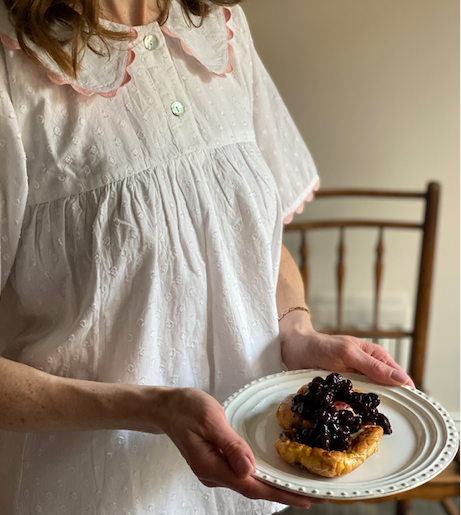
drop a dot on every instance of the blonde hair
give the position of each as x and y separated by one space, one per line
34 20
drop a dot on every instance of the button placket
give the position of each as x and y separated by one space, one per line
171 92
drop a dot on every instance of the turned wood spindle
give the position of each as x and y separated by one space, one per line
378 276
340 279
305 264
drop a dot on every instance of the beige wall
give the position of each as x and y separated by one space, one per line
374 88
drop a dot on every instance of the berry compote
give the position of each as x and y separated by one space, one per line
333 427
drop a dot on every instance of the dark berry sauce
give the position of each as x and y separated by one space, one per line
333 428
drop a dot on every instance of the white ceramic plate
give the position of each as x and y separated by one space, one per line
424 439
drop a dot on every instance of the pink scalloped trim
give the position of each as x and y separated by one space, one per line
9 43
61 81
188 51
300 208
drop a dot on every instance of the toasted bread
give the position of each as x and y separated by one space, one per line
325 462
330 463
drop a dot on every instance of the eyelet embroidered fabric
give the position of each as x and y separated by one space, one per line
141 247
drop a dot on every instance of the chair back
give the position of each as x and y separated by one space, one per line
418 331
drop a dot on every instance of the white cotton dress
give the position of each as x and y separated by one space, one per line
142 209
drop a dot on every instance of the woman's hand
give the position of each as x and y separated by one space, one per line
218 456
302 347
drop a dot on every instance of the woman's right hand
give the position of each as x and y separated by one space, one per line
218 456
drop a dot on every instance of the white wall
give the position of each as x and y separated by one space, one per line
374 88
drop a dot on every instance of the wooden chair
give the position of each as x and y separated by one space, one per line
446 485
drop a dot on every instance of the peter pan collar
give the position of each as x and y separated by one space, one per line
208 43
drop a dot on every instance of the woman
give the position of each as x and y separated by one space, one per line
142 194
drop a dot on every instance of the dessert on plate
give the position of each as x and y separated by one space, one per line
329 428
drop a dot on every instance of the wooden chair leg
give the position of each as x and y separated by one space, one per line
404 507
450 506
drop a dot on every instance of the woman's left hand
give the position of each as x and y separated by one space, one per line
303 347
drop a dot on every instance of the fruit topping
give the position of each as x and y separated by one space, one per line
336 412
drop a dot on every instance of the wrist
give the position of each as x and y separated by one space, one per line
295 323
140 408
296 333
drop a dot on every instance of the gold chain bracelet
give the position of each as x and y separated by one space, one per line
289 310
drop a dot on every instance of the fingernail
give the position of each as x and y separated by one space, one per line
399 376
244 466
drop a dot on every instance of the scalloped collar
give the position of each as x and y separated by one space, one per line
208 43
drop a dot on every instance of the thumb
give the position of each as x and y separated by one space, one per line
378 370
235 450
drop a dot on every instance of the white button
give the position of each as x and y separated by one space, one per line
150 42
177 108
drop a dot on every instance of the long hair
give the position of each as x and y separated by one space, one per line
36 20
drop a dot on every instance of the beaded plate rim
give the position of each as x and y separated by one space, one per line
327 490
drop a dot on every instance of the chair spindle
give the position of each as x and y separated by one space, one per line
340 278
305 264
378 276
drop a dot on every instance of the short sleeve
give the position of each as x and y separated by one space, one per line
13 177
280 142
